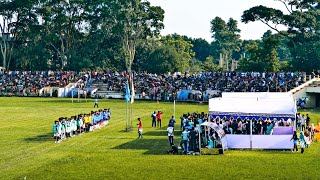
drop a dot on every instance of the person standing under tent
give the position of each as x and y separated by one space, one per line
140 128
295 141
239 128
96 102
234 125
302 142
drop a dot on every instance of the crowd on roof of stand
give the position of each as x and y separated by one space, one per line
153 86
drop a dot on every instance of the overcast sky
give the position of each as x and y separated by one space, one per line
192 17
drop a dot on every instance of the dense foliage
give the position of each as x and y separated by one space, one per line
118 35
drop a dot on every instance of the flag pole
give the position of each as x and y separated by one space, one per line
127 117
72 95
132 100
174 108
131 115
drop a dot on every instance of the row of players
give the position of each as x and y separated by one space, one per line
76 125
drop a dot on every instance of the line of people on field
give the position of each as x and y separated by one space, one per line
76 125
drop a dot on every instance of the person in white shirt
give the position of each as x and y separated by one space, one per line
170 135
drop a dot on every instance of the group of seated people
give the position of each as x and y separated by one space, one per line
76 125
29 83
152 86
259 127
165 87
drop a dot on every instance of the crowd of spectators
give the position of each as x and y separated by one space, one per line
29 83
165 87
152 86
190 126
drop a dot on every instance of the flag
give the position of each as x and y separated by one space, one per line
127 96
133 93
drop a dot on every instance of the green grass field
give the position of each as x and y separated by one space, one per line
27 148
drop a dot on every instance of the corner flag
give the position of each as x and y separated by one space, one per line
127 96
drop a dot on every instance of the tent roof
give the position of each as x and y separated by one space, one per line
259 95
257 103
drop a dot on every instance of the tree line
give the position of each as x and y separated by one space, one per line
125 34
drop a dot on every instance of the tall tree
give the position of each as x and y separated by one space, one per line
137 20
201 48
16 18
262 56
183 49
302 22
63 25
226 38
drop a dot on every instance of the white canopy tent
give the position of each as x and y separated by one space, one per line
255 105
272 105
260 95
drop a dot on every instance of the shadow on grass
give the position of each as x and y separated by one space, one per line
156 133
161 133
153 146
40 138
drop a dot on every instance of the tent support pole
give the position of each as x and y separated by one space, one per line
251 134
199 139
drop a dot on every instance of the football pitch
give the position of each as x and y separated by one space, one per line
27 148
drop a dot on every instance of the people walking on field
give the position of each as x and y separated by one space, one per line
140 128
